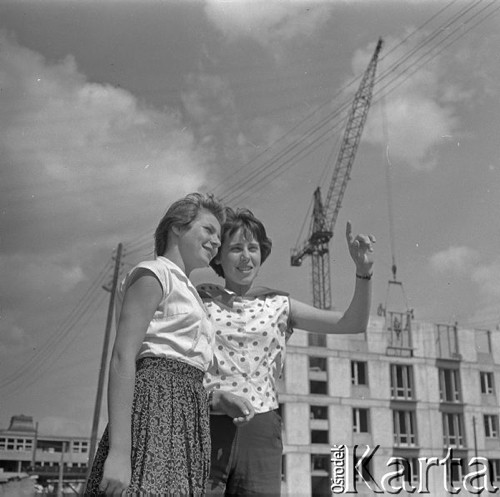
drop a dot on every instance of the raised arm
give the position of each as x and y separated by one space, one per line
355 318
139 305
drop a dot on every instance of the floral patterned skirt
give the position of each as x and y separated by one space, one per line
170 432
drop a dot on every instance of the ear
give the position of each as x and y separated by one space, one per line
176 230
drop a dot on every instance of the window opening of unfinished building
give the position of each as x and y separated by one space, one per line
320 475
490 426
319 437
401 381
405 431
318 412
359 373
320 486
360 420
494 467
318 387
318 376
320 463
453 429
447 338
449 385
317 364
483 341
487 386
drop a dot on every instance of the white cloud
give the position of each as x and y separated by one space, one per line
417 127
461 260
417 110
268 22
63 134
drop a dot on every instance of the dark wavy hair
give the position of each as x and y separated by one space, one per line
183 212
245 220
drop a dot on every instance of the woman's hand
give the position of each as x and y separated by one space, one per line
361 250
116 475
234 406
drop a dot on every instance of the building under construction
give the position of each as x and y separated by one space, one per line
414 389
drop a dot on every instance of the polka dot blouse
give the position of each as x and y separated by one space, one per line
250 341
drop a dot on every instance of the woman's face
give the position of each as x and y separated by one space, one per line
198 244
240 259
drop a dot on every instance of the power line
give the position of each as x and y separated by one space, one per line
315 111
42 357
272 168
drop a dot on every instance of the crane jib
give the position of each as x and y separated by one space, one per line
325 215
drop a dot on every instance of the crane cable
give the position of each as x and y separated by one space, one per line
43 357
390 206
388 166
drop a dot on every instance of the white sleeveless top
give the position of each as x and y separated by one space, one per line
180 328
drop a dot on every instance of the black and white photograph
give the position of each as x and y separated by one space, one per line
249 247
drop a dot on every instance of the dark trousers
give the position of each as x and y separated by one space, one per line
246 460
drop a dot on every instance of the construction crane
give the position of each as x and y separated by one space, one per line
325 214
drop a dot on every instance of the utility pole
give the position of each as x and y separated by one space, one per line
104 357
475 437
33 452
60 481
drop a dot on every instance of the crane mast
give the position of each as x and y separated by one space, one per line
325 214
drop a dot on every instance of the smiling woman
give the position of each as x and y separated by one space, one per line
157 441
247 247
252 327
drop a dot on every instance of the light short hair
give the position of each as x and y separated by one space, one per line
182 213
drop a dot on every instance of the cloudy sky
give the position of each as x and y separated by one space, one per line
110 110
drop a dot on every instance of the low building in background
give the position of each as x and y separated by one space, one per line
48 459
